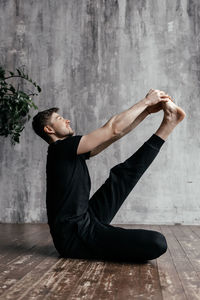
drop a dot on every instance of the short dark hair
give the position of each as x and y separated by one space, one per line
41 120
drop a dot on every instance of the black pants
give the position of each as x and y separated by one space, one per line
91 236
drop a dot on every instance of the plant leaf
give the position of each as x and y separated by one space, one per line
2 73
12 89
19 72
39 88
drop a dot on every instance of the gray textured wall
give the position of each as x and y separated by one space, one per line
94 59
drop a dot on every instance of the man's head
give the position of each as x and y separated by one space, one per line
50 126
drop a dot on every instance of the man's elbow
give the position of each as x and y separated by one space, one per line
117 133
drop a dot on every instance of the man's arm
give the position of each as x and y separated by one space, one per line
135 123
102 137
119 124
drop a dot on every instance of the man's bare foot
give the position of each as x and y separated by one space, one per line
173 115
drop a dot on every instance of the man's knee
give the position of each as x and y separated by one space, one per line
160 243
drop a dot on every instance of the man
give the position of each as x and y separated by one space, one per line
80 227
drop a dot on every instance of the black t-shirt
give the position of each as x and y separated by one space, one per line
68 180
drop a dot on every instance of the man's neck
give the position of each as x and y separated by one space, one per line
59 139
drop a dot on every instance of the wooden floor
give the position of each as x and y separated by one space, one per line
32 269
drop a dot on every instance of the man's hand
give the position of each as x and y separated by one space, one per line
156 97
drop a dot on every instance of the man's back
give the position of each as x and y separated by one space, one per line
68 180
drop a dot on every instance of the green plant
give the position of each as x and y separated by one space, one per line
15 103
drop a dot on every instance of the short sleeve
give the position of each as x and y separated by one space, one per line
67 147
87 155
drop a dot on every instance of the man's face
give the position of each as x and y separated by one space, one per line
60 126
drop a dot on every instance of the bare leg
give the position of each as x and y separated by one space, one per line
173 115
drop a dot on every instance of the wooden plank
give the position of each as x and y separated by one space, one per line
188 239
149 272
171 285
36 272
21 265
88 282
151 269
129 280
11 237
12 249
195 229
190 233
9 231
67 282
118 281
15 237
29 283
188 276
190 243
149 285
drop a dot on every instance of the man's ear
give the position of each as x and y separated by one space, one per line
48 129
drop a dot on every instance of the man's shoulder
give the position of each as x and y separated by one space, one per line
65 147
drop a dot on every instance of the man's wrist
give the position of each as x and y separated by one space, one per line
147 111
145 102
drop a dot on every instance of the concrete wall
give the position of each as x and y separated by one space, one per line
94 59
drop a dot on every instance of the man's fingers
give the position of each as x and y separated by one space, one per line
166 96
162 93
165 99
